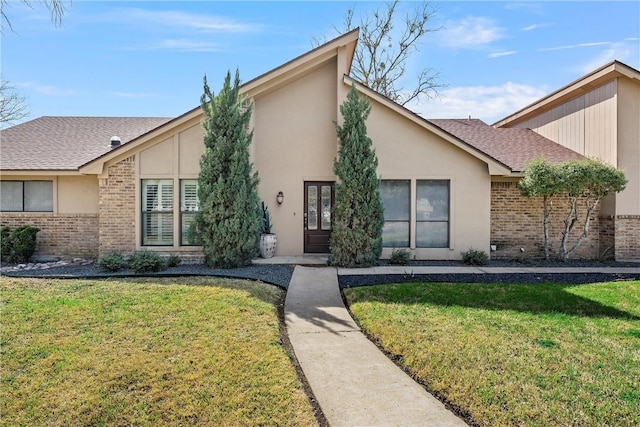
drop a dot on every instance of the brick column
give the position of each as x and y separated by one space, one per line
627 237
118 207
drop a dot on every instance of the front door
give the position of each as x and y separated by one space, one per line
318 203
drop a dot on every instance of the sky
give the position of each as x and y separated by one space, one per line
148 58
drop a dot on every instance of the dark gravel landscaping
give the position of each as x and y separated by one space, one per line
574 278
280 275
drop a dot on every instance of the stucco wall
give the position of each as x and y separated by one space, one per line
516 222
77 194
295 141
406 150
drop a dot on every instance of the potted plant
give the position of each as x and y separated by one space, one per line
268 240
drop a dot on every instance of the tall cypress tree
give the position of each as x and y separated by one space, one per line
356 239
228 222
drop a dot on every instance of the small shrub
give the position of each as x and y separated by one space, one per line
475 257
111 261
173 261
400 257
5 243
266 219
145 261
18 245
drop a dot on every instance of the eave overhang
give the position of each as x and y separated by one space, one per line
593 80
495 167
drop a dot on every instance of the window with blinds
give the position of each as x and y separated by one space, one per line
157 212
188 208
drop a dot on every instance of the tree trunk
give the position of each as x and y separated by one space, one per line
569 222
547 206
585 228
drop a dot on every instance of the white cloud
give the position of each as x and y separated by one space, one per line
535 26
46 89
184 45
132 95
489 103
573 46
503 53
470 32
623 52
190 20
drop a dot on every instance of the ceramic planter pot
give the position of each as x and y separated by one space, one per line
268 244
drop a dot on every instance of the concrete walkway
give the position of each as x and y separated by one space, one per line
354 383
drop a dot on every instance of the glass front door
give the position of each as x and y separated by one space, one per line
318 221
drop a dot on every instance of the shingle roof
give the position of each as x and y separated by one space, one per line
513 147
66 143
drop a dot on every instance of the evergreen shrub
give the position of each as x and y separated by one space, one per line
111 261
18 245
229 220
475 257
173 261
356 238
400 257
145 261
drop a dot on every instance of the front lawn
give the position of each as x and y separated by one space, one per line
181 351
534 355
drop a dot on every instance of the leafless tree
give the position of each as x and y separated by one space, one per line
380 60
13 106
56 7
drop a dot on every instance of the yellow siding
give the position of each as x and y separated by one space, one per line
586 124
628 202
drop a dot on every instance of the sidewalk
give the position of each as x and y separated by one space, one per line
483 270
354 383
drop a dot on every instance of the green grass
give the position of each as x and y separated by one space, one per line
192 351
534 355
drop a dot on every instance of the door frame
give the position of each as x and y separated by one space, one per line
319 235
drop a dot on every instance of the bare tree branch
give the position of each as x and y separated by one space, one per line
56 7
382 54
13 106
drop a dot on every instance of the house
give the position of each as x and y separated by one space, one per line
598 116
447 185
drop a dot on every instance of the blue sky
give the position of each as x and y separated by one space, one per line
147 58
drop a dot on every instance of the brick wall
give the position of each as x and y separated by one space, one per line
516 222
607 236
627 237
65 235
117 207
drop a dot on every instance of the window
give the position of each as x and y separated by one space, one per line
26 196
432 214
157 212
396 200
188 207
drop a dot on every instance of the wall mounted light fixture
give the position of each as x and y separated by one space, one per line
280 197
